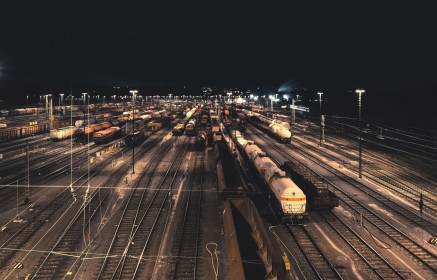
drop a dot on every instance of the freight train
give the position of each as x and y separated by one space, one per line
289 200
278 129
62 133
178 129
190 128
106 135
85 134
22 131
320 197
201 140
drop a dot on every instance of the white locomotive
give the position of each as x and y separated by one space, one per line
288 195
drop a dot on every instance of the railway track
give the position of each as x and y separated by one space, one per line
50 170
406 188
407 213
415 177
140 221
84 225
19 144
381 267
315 257
23 234
411 247
187 236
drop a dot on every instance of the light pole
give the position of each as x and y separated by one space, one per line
229 98
133 123
321 119
27 100
62 103
360 162
84 109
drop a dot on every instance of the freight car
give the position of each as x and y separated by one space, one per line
190 128
133 139
315 188
288 199
178 129
21 132
201 141
228 178
62 133
278 129
106 135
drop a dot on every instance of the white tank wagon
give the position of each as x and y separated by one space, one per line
276 128
280 133
146 117
285 125
62 133
190 128
288 197
291 198
190 113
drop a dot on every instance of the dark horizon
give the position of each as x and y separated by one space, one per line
324 45
387 49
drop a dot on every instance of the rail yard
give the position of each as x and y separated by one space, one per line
212 189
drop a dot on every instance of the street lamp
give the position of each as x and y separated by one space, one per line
229 96
321 118
360 162
133 124
27 100
61 105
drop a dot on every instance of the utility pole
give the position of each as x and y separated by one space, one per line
321 118
360 162
27 177
133 124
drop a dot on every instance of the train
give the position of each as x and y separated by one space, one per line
289 200
141 133
178 129
21 111
85 134
320 197
190 128
276 128
106 135
22 131
201 140
62 133
229 180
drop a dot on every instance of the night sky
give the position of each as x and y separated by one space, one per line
317 45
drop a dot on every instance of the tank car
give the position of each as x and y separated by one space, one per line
190 128
288 198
